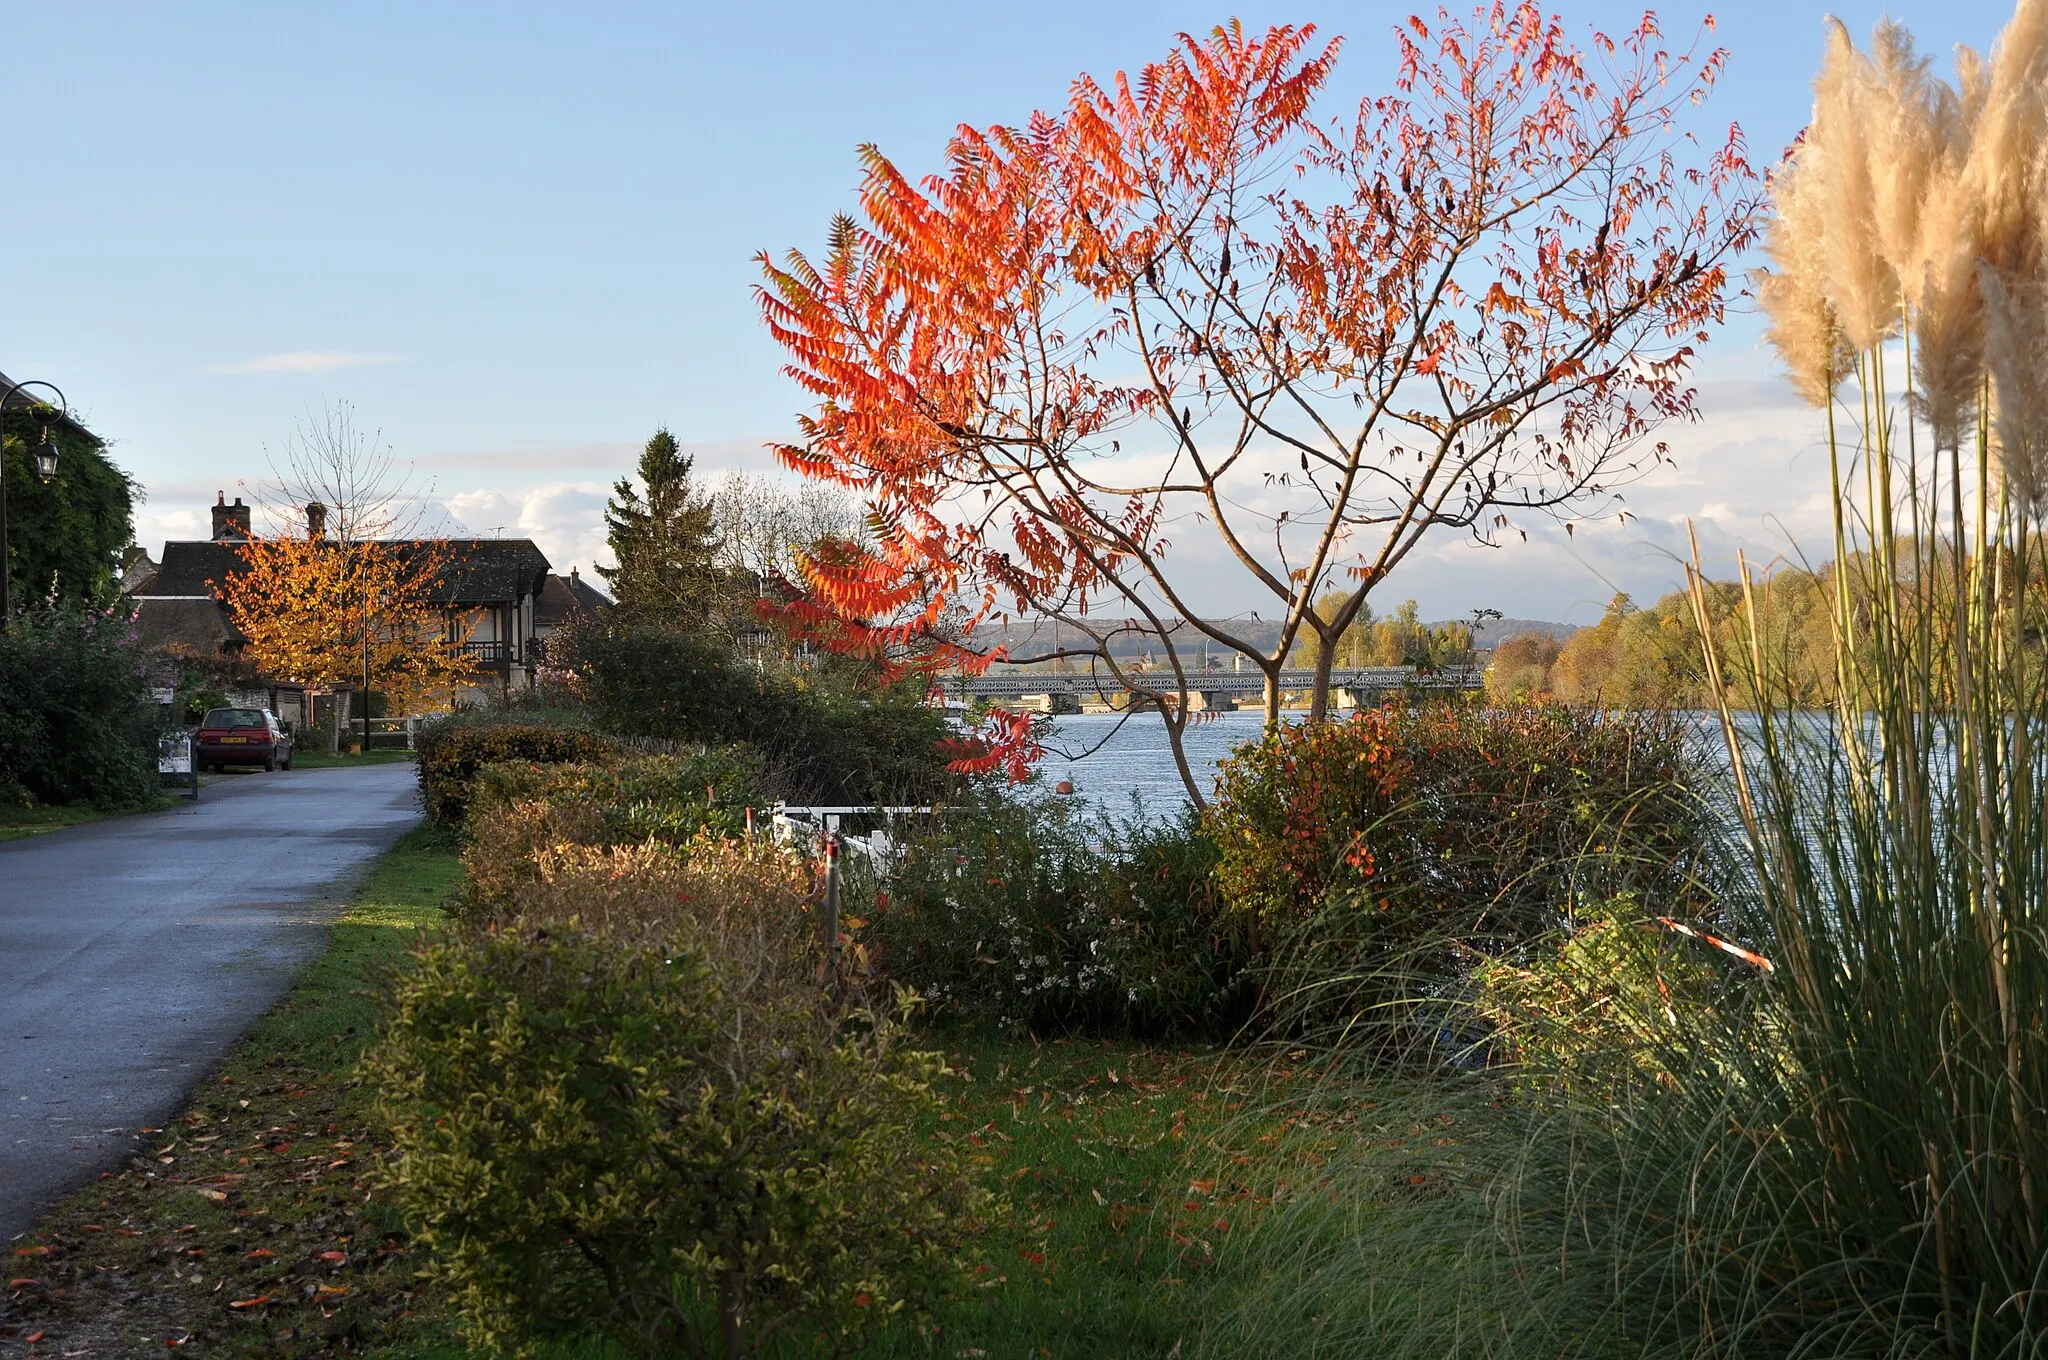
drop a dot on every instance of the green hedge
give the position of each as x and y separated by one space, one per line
452 754
822 744
1029 912
77 724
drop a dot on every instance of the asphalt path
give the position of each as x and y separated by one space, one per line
135 951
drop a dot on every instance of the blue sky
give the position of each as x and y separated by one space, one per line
518 237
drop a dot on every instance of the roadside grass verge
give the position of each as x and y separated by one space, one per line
19 823
246 1229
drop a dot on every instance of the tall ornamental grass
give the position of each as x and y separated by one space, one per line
1842 1151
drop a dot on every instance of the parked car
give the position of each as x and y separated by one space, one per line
242 736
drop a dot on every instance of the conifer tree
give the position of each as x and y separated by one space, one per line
664 543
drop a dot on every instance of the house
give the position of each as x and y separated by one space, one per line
492 585
565 600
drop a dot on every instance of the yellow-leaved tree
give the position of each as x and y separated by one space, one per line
347 592
335 614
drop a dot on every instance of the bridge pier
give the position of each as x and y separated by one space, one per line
1212 701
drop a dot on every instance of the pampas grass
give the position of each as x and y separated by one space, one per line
1845 1154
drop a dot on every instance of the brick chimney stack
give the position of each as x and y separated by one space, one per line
230 522
316 520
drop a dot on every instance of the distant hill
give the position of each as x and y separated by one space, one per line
1024 639
1493 632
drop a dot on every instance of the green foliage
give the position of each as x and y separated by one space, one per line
452 753
1400 639
1027 913
1651 658
822 744
65 537
77 723
599 1135
665 543
1377 857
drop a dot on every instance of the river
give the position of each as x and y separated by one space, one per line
1134 760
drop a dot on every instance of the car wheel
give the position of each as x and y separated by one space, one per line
270 764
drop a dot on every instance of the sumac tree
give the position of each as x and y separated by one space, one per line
1184 307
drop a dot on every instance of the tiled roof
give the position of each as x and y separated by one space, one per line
564 598
36 396
199 625
481 570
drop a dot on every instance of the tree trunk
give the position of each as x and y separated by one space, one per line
1176 728
1273 696
341 697
1319 693
732 1314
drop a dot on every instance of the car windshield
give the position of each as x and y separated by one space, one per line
233 717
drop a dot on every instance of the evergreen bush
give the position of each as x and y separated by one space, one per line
77 721
452 752
1030 913
823 743
623 1135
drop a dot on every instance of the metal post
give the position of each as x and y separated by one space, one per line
832 897
6 603
5 612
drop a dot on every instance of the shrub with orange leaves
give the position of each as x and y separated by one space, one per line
1385 855
1187 304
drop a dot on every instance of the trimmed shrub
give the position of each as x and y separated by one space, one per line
451 753
77 723
519 812
624 1135
821 744
1030 913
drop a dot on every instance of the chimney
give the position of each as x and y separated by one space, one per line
316 520
574 579
230 522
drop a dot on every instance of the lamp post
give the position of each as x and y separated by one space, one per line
46 468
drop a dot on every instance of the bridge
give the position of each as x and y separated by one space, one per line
1064 692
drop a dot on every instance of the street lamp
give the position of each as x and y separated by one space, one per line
46 468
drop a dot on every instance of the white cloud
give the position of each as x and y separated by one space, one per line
304 361
564 519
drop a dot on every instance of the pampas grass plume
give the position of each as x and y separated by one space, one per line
1803 327
1861 285
2018 352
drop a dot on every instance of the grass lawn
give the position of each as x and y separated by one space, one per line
245 1229
248 1229
1117 1161
320 760
19 822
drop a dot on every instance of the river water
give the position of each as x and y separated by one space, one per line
1113 760
1118 763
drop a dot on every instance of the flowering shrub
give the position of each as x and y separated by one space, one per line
77 724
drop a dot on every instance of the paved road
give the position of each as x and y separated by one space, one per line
134 952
